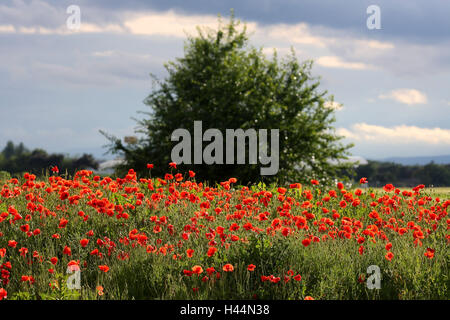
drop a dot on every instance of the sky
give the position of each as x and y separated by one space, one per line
59 86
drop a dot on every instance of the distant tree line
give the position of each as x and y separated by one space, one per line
381 173
17 159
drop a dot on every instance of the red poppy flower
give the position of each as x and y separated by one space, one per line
210 270
190 253
104 268
3 294
12 243
429 253
62 223
361 250
23 251
67 251
298 278
389 256
197 269
228 268
306 242
251 267
84 242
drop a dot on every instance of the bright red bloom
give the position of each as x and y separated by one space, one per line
173 165
363 180
23 251
228 268
197 269
361 250
187 273
389 256
62 223
190 253
429 253
29 279
306 242
84 242
211 251
388 188
104 268
251 267
3 294
210 270
67 251
12 243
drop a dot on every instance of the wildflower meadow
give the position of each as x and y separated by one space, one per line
172 237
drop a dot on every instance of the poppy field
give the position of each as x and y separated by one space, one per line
173 237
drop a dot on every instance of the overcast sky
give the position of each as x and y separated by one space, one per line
58 86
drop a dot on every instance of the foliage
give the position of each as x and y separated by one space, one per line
18 159
381 173
227 84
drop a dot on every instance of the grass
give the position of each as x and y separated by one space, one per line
302 241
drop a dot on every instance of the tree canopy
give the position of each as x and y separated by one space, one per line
227 84
17 159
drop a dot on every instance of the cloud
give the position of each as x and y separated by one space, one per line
333 105
406 96
402 134
167 23
332 47
9 28
417 19
299 33
337 62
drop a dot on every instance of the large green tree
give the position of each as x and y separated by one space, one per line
227 84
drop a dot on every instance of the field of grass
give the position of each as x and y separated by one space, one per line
443 192
175 238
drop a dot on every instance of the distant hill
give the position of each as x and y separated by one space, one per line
419 160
